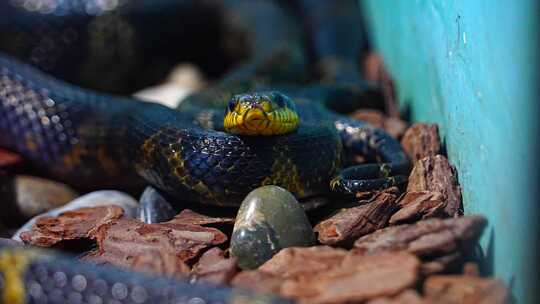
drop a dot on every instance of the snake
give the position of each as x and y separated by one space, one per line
42 276
279 128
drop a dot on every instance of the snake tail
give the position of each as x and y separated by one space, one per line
39 276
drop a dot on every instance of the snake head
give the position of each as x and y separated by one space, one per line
267 113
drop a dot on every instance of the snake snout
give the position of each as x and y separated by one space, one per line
257 121
261 114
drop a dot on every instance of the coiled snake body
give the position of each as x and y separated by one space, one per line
82 136
89 138
85 137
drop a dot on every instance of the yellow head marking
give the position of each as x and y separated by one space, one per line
261 114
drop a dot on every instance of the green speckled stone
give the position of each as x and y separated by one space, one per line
269 219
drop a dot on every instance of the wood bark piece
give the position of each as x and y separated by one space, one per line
427 238
81 223
158 248
8 158
358 279
258 281
98 198
409 296
375 71
297 261
372 67
460 289
151 260
214 267
188 216
435 174
349 224
323 274
123 239
421 140
419 205
441 264
471 269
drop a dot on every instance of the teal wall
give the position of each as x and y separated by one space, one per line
471 67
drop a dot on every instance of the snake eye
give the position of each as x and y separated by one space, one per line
279 100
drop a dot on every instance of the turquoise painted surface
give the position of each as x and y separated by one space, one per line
471 66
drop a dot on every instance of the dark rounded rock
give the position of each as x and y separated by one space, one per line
154 208
269 219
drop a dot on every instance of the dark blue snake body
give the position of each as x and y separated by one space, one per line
88 138
45 277
84 137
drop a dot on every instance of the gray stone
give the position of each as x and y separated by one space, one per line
26 196
154 208
269 219
9 242
93 199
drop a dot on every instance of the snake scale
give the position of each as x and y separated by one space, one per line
85 137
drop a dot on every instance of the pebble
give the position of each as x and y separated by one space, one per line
28 196
9 242
182 81
269 219
154 208
93 199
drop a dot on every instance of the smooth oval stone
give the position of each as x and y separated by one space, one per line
154 208
93 199
26 196
269 219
